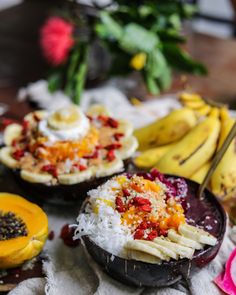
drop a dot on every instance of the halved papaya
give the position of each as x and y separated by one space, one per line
23 230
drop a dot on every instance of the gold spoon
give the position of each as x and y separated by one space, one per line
219 155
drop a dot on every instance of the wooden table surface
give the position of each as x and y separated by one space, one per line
219 55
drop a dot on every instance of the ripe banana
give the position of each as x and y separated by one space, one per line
199 175
11 132
149 158
223 181
215 112
192 100
191 152
166 130
204 110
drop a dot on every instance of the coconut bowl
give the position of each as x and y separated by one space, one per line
60 195
137 273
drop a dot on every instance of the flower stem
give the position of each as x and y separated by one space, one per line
81 75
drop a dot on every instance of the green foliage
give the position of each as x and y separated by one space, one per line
143 35
153 28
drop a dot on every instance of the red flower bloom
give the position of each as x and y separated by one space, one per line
56 40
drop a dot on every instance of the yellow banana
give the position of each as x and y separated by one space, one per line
215 112
204 110
191 152
166 130
199 175
224 114
192 100
223 181
150 157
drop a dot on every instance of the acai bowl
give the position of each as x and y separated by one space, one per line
150 229
58 156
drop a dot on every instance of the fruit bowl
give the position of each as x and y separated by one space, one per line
60 194
138 273
55 156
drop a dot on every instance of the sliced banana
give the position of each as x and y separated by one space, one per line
66 118
98 109
35 177
181 240
197 234
129 146
182 251
166 251
144 257
40 114
11 132
125 127
138 246
7 159
109 168
74 178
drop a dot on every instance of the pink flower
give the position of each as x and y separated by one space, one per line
56 40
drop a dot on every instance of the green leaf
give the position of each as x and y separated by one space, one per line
136 38
73 62
152 85
55 81
156 63
182 61
109 27
175 21
165 79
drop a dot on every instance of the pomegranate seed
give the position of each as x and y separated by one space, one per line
18 154
139 201
139 234
163 232
120 205
145 208
67 234
111 155
118 136
51 235
94 155
126 192
25 126
152 235
50 169
112 123
113 146
143 225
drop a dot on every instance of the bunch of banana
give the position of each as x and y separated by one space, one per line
188 152
203 107
176 245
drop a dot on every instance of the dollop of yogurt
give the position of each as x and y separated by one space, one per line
75 131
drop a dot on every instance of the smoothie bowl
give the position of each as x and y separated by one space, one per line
147 229
59 156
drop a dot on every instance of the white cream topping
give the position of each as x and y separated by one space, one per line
76 132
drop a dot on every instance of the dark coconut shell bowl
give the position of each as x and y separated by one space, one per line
60 195
131 272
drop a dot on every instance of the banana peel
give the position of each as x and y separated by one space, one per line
150 157
167 130
191 152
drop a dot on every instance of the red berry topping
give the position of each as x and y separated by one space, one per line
139 234
67 234
120 207
51 235
113 146
18 154
126 193
112 123
118 136
50 169
152 235
94 155
111 155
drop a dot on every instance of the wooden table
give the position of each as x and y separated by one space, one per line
219 55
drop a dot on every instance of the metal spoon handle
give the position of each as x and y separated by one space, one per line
219 155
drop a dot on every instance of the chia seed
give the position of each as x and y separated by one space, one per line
11 226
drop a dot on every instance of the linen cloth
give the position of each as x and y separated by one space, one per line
71 271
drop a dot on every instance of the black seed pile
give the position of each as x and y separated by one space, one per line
11 226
